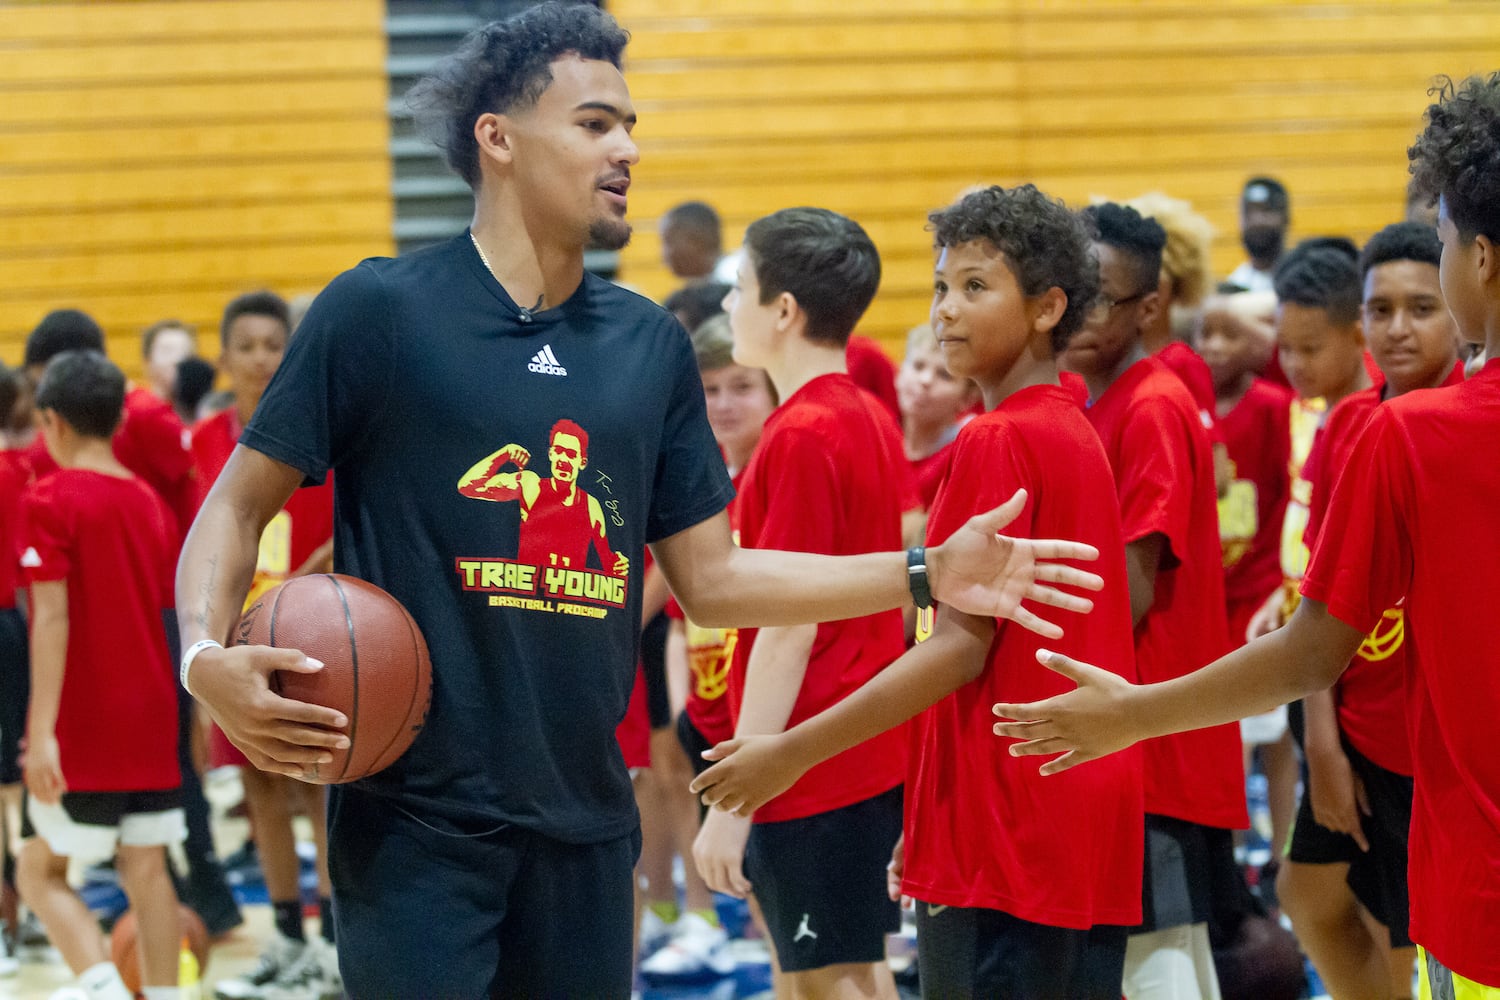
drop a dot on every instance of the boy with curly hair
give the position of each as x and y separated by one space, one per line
1024 889
1415 509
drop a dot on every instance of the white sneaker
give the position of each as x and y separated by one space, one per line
696 951
314 976
279 955
655 932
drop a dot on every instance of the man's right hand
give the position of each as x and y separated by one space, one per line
278 735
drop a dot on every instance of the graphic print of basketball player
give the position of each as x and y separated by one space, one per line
559 520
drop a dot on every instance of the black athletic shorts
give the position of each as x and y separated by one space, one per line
654 670
693 743
976 954
1377 877
1177 884
15 692
820 882
423 910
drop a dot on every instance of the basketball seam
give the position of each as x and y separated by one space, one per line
354 674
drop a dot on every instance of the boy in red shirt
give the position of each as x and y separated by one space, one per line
15 475
1321 347
96 548
1347 856
934 405
150 440
1023 889
1164 478
299 540
1415 513
828 476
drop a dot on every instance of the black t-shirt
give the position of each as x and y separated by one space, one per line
412 378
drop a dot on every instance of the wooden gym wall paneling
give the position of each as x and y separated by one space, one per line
158 157
885 109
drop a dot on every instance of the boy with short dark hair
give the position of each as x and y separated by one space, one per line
1347 852
97 547
1164 478
1024 890
1415 509
253 335
827 476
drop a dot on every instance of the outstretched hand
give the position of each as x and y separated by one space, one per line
751 771
1075 727
986 574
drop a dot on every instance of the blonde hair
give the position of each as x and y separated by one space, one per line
920 336
1185 259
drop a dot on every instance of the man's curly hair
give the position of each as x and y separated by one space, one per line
1045 245
1457 156
505 66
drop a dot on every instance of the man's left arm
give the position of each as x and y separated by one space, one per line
977 570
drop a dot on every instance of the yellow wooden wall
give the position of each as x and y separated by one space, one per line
157 157
883 113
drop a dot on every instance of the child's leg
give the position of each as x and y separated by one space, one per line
42 878
1326 918
147 884
314 799
268 798
850 981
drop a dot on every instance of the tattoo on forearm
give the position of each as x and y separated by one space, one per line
206 594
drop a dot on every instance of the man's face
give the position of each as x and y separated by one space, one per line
685 251
572 153
1409 330
566 456
1113 325
1262 231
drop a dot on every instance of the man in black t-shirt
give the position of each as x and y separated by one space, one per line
494 858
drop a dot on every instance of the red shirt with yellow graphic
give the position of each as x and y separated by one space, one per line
829 476
1371 694
1415 512
1257 434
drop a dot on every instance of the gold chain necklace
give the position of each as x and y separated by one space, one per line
525 315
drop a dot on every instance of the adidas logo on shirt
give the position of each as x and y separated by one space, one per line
544 362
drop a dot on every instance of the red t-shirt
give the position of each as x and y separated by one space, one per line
305 523
152 443
873 371
983 828
826 477
1415 509
115 544
1257 434
1164 478
1193 370
928 474
15 476
1371 695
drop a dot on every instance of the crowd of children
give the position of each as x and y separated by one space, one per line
1289 459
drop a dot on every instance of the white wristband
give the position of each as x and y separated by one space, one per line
191 654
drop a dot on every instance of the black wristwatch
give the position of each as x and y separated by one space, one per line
916 576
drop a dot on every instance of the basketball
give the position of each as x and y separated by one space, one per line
122 944
375 664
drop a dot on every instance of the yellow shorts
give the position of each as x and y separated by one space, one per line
1438 983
